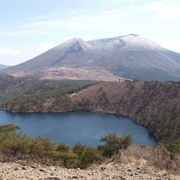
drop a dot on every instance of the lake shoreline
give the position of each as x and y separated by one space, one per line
100 121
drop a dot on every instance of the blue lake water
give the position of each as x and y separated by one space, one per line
74 127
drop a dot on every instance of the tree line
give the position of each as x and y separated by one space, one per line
15 146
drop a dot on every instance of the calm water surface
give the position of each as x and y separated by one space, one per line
73 127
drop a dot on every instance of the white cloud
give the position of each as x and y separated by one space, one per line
168 10
120 16
9 51
44 47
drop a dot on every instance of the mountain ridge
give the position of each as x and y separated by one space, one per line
130 56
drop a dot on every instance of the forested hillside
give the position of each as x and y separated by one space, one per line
33 95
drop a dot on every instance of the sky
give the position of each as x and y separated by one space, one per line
30 27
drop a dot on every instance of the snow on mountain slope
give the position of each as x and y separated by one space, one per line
131 41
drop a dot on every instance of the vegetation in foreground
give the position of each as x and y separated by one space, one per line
15 146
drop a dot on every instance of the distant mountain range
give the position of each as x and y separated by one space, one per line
130 56
3 66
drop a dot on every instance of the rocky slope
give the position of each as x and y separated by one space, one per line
131 56
15 171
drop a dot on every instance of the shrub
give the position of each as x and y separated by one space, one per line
113 143
86 155
65 154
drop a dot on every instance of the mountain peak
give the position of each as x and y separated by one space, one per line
133 35
74 40
138 42
129 35
76 43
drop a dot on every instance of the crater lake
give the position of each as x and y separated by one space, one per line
73 127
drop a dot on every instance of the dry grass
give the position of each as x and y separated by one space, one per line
157 158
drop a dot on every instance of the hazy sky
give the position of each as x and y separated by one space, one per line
30 27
